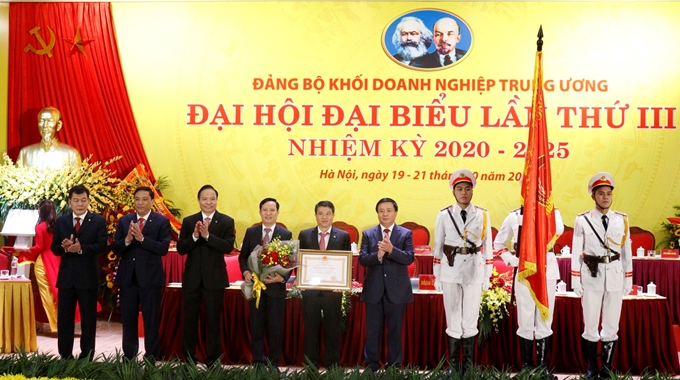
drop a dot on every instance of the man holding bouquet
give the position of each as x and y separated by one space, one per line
267 310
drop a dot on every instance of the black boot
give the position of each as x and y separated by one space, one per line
454 355
607 358
542 357
468 352
591 354
526 349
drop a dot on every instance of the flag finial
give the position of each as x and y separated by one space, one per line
539 42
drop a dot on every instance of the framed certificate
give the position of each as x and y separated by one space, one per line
324 270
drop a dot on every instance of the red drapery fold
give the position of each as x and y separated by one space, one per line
65 55
538 222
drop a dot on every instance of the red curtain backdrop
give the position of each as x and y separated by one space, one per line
86 86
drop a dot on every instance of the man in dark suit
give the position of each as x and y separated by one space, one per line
446 36
141 240
273 299
205 237
315 302
386 252
79 237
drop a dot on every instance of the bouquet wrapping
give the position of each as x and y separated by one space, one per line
278 256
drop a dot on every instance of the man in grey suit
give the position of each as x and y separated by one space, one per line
316 302
386 252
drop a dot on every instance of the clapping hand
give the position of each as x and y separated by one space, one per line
203 229
385 247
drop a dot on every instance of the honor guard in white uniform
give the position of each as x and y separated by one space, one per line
531 325
601 271
463 259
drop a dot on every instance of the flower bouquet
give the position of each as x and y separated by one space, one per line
494 305
278 256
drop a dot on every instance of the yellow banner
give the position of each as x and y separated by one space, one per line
305 101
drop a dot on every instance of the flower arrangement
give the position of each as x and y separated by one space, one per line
494 305
24 188
672 238
278 256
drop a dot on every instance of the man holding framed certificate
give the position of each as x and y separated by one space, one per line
315 302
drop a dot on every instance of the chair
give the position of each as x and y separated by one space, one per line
6 257
494 232
414 269
421 235
233 267
350 229
564 239
501 267
642 238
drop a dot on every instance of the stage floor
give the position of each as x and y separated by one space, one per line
109 340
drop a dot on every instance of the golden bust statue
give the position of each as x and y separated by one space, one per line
49 153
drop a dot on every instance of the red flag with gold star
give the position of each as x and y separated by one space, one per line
538 223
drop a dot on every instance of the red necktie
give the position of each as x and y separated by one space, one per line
141 224
387 233
77 226
322 242
265 239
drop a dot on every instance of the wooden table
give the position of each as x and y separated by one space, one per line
17 316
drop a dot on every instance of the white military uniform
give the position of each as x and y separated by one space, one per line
463 282
531 325
614 279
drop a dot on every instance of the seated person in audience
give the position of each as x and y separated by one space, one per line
269 315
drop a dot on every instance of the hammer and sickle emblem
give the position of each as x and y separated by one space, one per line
46 49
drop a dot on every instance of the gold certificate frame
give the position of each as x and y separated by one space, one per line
324 270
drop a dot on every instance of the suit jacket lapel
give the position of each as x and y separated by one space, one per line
332 238
315 239
393 235
147 222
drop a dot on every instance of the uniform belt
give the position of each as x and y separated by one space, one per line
451 252
449 249
602 259
592 261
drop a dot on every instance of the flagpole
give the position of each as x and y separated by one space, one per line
539 47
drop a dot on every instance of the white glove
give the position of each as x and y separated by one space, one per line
627 286
510 259
438 285
578 290
485 285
